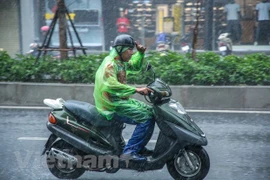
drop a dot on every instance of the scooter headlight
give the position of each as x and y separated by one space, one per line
177 107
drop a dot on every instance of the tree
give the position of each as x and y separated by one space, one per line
196 30
62 29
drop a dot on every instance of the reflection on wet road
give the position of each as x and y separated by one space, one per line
238 146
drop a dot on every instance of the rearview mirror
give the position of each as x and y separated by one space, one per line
148 67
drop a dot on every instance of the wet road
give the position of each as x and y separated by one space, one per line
239 147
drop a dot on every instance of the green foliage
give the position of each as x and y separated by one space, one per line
81 69
174 68
5 65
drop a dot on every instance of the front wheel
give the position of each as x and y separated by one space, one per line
192 163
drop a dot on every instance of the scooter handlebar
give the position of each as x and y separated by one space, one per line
159 93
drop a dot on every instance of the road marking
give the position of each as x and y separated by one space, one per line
187 110
33 138
24 107
229 111
45 139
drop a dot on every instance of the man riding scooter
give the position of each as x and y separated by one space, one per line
112 93
80 132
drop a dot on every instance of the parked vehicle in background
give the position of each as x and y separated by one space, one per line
163 42
166 41
225 44
33 49
185 42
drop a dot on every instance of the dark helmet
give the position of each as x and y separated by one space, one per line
124 40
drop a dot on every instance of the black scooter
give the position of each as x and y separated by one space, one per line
83 140
225 44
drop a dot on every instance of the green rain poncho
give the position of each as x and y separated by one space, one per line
111 92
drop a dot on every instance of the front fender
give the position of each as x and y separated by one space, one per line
186 137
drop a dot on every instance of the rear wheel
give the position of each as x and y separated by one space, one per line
193 163
63 168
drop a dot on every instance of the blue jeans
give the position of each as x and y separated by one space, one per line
234 28
262 32
141 135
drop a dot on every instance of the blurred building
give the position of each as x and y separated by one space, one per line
21 21
18 20
95 21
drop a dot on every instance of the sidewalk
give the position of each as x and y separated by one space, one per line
247 49
237 49
251 49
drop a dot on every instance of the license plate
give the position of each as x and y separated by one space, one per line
185 48
223 48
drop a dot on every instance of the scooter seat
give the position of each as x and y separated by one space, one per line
86 112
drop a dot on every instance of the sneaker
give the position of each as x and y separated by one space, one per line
255 43
133 156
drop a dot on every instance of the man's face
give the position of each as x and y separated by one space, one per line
126 55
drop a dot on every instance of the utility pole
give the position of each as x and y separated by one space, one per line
143 31
209 4
62 28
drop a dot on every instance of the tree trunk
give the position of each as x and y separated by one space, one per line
62 28
196 31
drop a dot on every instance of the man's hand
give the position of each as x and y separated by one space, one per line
143 90
140 48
